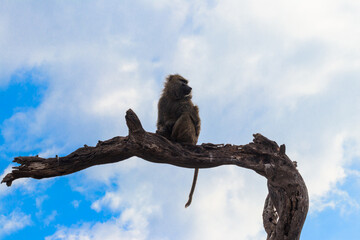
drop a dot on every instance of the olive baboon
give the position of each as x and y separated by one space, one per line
178 117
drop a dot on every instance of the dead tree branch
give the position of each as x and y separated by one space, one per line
285 207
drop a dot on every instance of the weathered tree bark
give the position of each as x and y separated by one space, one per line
285 207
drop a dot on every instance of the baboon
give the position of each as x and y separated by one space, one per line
178 117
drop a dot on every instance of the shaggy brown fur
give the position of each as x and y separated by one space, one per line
178 117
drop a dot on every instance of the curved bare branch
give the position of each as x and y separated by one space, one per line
285 207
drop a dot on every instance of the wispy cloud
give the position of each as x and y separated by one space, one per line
50 218
13 222
131 225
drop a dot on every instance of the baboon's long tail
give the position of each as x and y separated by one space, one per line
196 172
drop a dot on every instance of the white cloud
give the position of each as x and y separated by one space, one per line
111 200
39 201
132 224
230 205
15 221
50 218
270 70
76 203
222 197
286 69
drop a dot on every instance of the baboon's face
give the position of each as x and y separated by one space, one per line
185 88
178 86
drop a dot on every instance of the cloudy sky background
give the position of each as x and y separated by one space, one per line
69 71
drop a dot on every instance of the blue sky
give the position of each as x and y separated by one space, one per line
69 71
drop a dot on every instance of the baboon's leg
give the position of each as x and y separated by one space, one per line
184 130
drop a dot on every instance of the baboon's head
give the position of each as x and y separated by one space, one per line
177 87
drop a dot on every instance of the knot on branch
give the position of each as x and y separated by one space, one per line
133 122
8 179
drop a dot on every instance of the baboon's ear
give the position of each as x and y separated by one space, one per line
169 78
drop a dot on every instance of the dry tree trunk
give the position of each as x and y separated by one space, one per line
285 207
